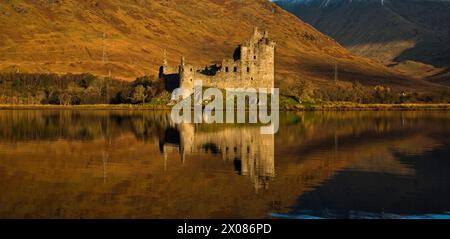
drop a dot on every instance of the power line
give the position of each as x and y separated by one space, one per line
336 76
104 56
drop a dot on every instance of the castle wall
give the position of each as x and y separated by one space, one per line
254 69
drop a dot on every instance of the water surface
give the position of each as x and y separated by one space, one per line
138 164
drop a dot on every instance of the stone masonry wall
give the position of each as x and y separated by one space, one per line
254 68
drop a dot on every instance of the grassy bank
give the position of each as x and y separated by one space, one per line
86 107
322 106
348 106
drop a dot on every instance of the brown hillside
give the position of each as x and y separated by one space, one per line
67 36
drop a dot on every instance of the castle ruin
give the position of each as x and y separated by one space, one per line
252 66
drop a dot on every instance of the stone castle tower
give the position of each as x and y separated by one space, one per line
252 66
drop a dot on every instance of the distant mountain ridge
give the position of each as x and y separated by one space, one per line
391 31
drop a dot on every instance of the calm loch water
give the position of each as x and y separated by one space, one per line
122 164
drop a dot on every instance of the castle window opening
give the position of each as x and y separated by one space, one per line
254 57
235 69
248 69
226 69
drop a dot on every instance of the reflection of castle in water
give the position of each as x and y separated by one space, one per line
251 152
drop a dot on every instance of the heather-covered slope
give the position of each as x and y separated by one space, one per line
127 38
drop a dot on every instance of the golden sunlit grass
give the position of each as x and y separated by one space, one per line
356 106
67 36
284 106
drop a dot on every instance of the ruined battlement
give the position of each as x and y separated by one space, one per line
251 66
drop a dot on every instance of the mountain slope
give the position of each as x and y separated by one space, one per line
387 30
127 38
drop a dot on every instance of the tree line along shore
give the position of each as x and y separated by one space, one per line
86 91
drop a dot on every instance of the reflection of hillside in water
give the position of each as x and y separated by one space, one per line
382 164
79 125
252 153
106 164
